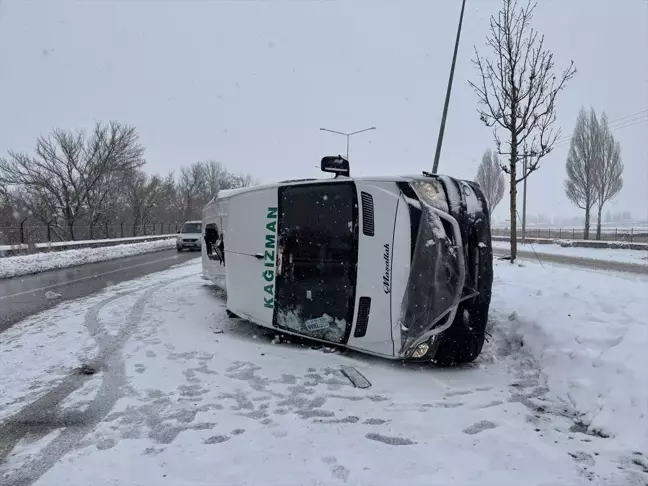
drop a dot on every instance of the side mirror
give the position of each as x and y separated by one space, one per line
336 164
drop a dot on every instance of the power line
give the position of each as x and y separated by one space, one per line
629 116
619 124
613 129
611 124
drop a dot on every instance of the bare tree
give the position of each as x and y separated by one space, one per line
72 172
191 187
78 180
608 173
215 175
116 154
201 181
170 202
8 216
583 156
518 91
240 180
144 194
491 179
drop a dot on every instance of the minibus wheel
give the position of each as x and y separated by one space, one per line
464 340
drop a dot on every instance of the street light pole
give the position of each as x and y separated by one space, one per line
437 155
347 135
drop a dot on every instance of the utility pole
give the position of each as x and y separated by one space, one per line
524 192
437 155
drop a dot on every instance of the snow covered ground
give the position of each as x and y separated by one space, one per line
184 396
638 257
40 262
588 332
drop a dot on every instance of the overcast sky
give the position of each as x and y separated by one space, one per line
249 83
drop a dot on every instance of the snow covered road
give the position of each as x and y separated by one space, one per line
26 295
184 396
15 266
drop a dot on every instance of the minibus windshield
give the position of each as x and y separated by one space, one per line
436 276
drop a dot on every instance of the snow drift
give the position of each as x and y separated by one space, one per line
588 332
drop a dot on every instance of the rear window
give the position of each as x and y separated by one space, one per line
192 228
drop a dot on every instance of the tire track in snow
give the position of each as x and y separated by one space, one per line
43 416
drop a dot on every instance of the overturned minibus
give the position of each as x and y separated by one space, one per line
399 267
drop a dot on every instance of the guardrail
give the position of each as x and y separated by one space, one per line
28 232
21 249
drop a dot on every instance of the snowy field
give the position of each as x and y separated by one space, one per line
40 262
184 396
622 255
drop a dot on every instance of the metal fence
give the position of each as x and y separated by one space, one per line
44 233
631 235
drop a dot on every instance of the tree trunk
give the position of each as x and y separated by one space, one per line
513 203
598 222
70 225
587 223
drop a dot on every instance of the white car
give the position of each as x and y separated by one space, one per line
189 236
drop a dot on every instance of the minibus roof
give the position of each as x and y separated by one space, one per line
227 193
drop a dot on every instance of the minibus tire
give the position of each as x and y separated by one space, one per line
460 343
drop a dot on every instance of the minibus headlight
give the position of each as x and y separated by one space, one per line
421 350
